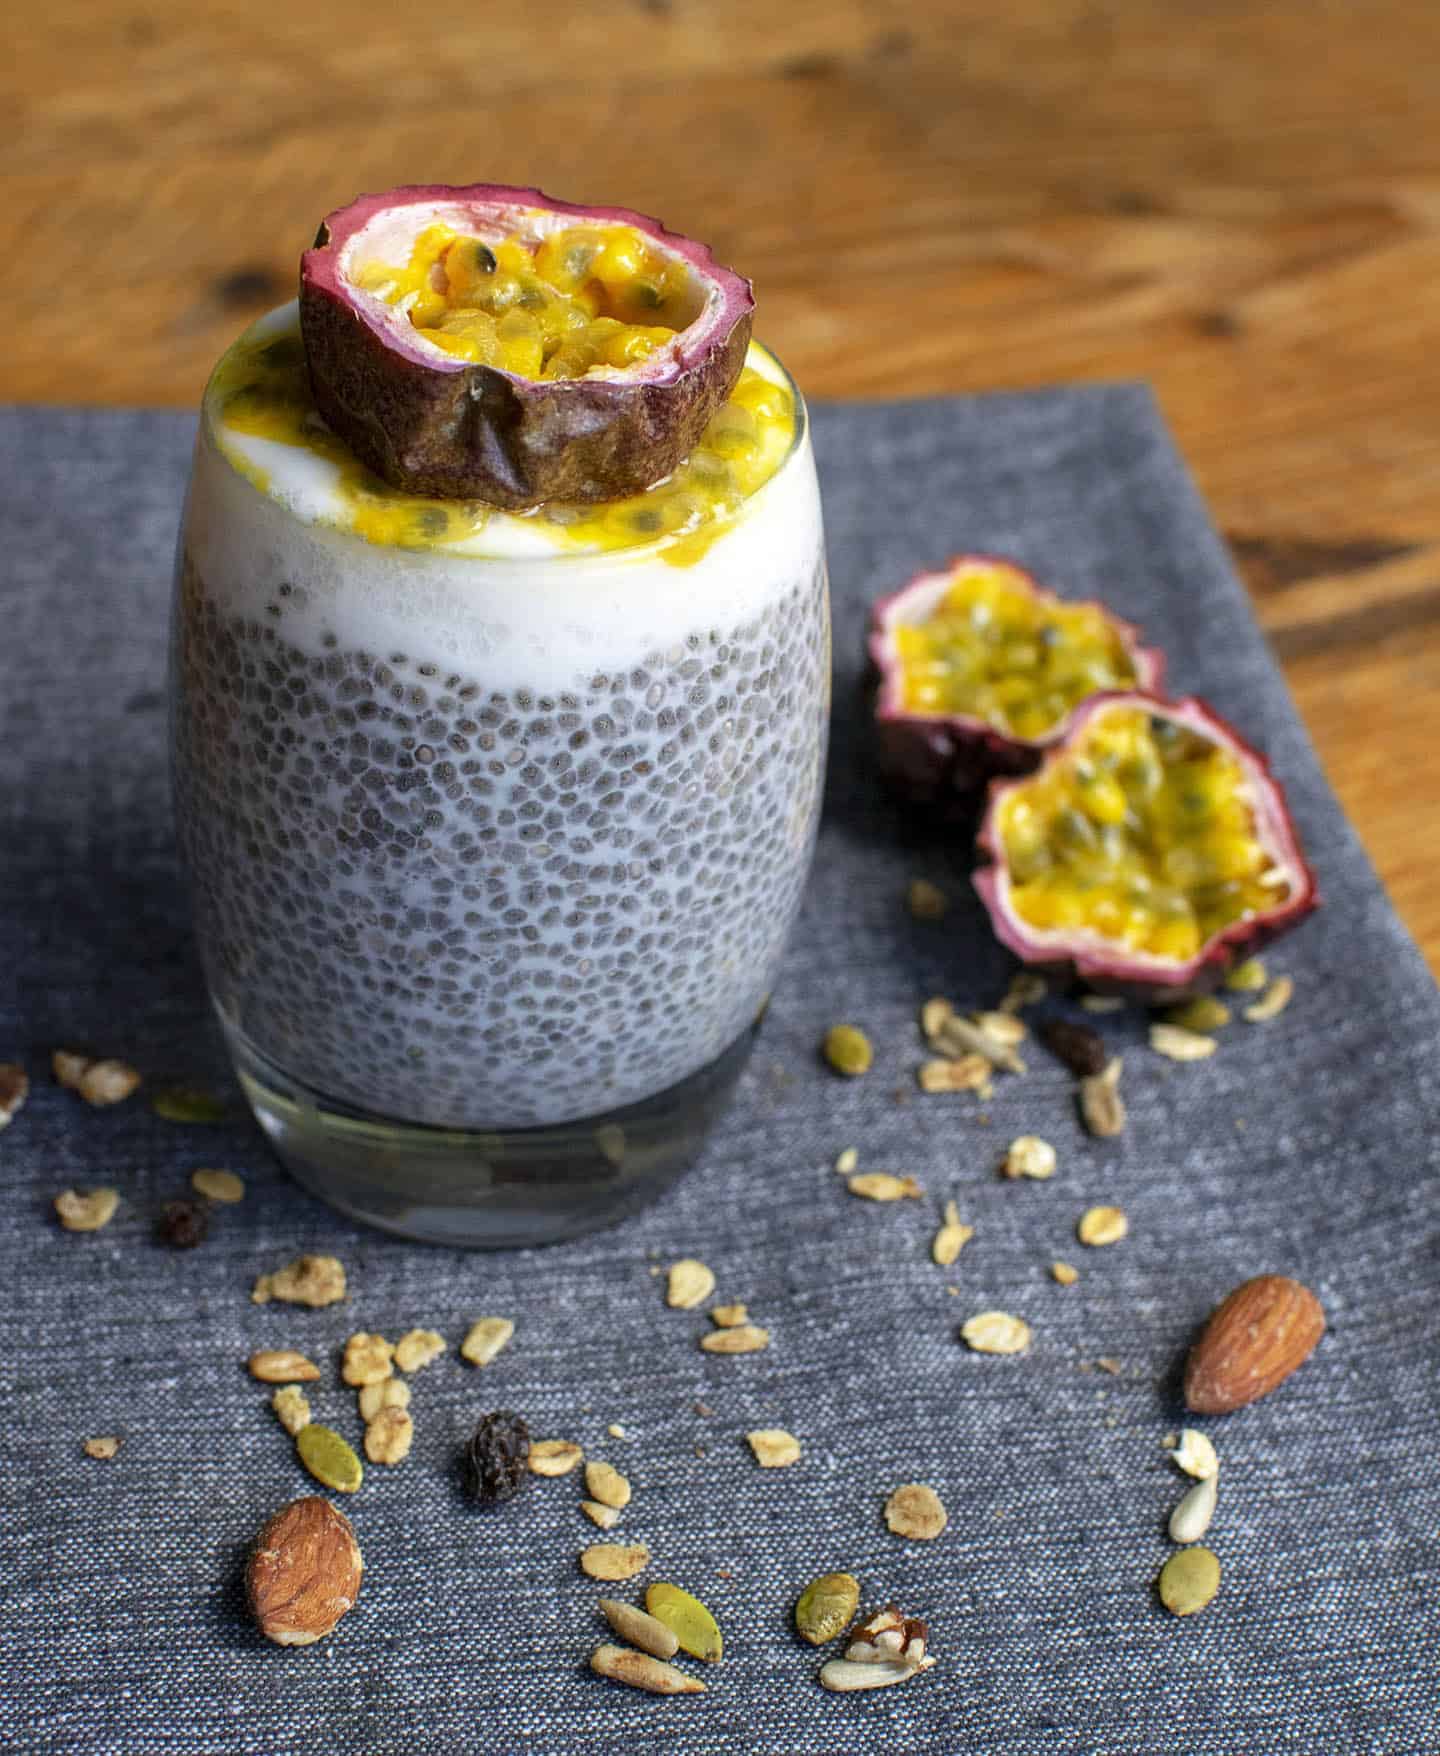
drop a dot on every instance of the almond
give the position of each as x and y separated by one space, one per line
303 1573
1253 1340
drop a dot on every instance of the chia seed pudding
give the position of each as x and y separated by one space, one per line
499 826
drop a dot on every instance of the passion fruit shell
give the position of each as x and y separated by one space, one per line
940 756
434 424
1107 963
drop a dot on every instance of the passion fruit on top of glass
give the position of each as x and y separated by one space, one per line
492 343
1151 851
981 668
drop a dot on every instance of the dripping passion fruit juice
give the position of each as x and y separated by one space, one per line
496 822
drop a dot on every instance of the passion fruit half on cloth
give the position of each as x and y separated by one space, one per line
489 343
980 669
1150 851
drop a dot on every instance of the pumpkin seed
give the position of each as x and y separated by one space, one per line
926 901
1188 1581
328 1458
1204 1013
847 1049
1247 977
187 1103
827 1607
218 1185
1191 1518
687 1619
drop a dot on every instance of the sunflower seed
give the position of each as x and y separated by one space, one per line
606 1484
1203 1013
1064 1273
639 1628
607 1517
1247 977
1191 1518
1100 1003
641 1671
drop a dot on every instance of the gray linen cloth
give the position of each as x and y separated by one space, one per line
1306 1145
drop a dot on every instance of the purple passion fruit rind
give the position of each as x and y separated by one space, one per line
436 424
1106 960
945 755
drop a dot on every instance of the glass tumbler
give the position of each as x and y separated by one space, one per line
493 843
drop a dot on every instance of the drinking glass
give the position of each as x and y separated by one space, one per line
493 844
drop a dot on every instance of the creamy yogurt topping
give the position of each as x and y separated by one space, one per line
258 407
280 512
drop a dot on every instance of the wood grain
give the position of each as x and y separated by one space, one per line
1239 201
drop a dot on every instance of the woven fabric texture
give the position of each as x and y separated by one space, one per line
1307 1145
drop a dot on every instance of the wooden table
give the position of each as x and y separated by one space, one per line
1239 201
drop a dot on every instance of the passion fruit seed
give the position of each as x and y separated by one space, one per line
687 1619
996 649
827 1607
1141 832
519 350
847 1049
1189 1580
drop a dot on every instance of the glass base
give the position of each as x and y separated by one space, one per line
486 1190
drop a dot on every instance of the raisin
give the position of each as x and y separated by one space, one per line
1080 1049
496 1461
183 1224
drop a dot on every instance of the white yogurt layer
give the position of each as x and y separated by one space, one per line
515 597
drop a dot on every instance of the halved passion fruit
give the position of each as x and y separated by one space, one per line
1150 852
980 670
488 343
